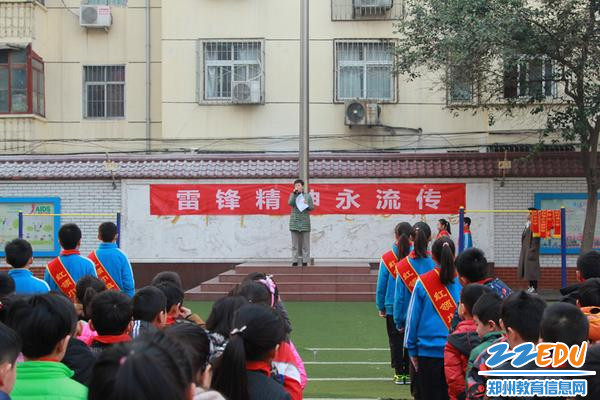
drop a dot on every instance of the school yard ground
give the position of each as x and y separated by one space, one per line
344 347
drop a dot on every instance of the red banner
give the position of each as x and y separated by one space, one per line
545 223
248 199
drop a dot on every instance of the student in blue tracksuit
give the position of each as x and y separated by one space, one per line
420 235
426 331
386 286
69 236
468 234
19 255
113 259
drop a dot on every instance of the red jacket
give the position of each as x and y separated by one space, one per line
285 364
456 355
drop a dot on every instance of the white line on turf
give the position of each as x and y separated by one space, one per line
347 349
346 379
346 363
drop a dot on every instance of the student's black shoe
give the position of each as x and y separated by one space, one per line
305 264
294 264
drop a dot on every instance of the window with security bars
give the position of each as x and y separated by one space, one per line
460 88
364 70
104 91
348 10
233 71
21 82
529 78
107 2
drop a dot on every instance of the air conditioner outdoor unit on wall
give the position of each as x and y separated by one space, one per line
95 16
247 92
367 7
362 112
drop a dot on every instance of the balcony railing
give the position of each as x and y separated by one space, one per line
17 20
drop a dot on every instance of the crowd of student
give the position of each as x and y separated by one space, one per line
443 311
84 333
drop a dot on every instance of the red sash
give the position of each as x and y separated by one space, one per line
62 278
103 274
407 273
390 261
439 295
442 233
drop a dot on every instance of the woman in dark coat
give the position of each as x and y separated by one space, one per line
529 259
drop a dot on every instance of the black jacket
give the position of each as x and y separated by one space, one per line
80 359
570 294
262 387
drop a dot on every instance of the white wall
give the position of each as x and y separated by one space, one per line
147 238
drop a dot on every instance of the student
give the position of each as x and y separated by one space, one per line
196 343
520 319
167 276
7 285
472 267
486 314
220 322
564 323
86 289
112 265
247 358
174 279
111 319
19 255
467 232
174 296
462 341
384 299
287 363
151 367
443 228
430 311
63 272
588 266
42 374
589 302
270 283
10 347
149 311
409 269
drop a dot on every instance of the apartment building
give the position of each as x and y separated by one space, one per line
98 76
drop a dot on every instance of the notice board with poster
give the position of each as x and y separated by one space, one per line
40 231
575 205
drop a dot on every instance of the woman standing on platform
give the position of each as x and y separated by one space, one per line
301 204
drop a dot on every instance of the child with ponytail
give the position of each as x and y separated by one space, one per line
430 312
386 287
245 371
409 268
443 228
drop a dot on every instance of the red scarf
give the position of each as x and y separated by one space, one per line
259 366
69 252
112 339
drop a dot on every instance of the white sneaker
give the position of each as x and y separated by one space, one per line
531 290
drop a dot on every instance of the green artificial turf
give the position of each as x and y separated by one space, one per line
339 326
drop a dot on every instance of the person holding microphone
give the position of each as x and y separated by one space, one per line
301 204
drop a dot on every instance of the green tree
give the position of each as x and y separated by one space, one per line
541 56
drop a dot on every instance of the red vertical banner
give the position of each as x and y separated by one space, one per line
535 223
544 232
556 223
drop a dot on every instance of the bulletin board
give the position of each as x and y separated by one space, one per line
40 231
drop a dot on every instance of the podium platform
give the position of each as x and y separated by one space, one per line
327 281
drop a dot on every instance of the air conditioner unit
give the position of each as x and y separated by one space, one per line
247 92
362 112
95 16
369 7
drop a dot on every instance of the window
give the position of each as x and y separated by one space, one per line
21 82
227 63
364 71
104 91
529 78
460 88
348 10
107 2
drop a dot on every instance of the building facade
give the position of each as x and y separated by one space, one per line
98 76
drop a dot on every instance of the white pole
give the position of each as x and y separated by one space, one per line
304 92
